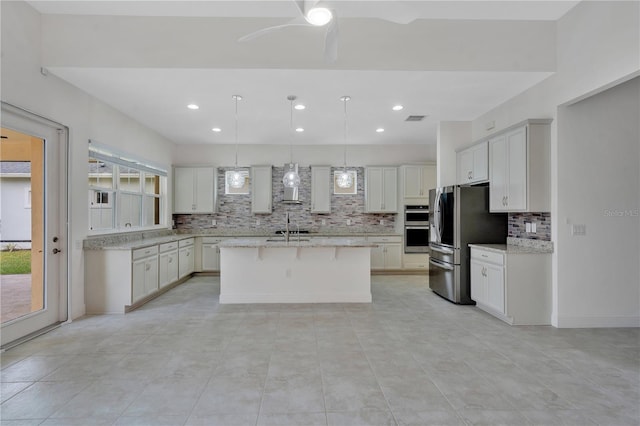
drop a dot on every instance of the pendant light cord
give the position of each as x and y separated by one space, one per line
236 97
291 131
345 99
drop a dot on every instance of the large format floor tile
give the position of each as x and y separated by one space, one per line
408 358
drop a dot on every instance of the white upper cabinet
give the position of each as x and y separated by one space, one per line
381 189
473 164
321 189
261 189
417 181
194 190
519 169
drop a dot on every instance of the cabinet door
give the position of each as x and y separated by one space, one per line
185 262
168 268
464 166
183 190
393 256
498 174
204 190
320 189
390 190
377 257
137 280
495 287
210 257
413 187
429 179
478 282
261 189
517 170
480 163
151 275
374 183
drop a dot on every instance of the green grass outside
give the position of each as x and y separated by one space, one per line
15 262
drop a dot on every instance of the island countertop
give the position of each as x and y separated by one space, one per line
294 243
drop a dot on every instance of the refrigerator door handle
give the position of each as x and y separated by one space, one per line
443 251
440 265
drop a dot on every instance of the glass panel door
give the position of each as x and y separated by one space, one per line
33 284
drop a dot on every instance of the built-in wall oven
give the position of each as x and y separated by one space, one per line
416 229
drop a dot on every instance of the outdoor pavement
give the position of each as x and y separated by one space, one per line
15 293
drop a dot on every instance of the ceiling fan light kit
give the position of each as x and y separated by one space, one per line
318 16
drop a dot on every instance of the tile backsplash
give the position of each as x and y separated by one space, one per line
234 211
517 225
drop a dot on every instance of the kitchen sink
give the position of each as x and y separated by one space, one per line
291 240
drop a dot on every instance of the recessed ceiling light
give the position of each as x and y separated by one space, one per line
397 107
379 130
299 107
216 129
193 106
299 130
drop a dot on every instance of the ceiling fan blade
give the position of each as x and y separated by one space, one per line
331 40
299 21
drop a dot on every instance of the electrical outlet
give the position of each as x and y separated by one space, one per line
214 222
527 227
381 221
578 230
257 222
324 222
533 227
348 222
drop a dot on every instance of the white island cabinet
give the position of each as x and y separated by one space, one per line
512 283
323 270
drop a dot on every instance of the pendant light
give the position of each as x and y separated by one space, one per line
344 179
291 179
237 178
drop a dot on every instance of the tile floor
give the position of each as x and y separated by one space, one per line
409 358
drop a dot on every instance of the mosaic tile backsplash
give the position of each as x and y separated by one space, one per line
517 223
234 211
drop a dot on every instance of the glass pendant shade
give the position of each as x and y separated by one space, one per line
344 180
236 180
291 179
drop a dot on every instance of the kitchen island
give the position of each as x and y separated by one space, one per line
317 270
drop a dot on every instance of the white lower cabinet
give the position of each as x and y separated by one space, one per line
415 261
513 286
211 253
168 264
144 277
186 263
388 253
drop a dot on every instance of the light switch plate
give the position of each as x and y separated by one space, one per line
214 222
533 227
527 227
324 222
578 230
348 222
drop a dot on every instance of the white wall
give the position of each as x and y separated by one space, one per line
598 274
304 155
87 118
598 47
452 135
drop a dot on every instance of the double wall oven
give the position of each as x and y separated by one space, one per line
416 229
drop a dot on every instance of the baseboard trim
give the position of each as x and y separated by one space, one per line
598 322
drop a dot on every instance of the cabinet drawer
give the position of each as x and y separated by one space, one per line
168 246
391 239
186 242
487 256
145 252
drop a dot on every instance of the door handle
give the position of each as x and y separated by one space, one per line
56 251
439 250
441 265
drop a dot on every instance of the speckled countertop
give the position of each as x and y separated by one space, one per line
519 246
293 242
132 242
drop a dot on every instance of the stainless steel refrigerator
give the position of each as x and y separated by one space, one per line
459 216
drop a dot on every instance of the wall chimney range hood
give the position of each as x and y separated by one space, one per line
291 194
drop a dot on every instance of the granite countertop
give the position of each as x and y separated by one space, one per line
518 246
128 242
293 242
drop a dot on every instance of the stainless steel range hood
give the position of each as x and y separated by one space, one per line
290 194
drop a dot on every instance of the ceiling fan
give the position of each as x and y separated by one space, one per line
314 13
310 16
